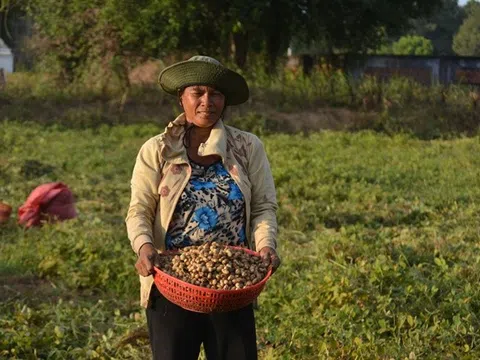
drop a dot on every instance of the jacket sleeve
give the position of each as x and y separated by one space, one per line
263 205
144 195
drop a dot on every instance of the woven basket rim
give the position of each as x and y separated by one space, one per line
159 272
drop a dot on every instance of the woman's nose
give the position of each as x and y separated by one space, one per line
207 100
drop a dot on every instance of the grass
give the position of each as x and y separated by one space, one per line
379 239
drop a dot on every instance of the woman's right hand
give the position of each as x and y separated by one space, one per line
148 257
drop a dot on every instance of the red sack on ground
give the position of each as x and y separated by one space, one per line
52 201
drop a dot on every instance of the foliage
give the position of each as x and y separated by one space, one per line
438 26
357 26
10 11
467 41
156 28
408 45
115 34
379 240
412 45
441 26
71 37
105 38
471 6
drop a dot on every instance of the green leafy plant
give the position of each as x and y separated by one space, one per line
378 236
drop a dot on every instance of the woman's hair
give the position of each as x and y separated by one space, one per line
186 136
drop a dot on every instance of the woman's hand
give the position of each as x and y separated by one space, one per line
147 258
270 256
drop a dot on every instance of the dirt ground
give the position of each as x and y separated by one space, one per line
14 287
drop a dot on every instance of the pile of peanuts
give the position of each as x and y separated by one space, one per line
215 266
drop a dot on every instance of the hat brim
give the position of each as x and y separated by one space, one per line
189 73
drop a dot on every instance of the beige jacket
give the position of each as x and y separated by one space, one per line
162 171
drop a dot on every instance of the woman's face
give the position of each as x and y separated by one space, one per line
203 105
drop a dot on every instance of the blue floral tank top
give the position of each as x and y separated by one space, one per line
211 208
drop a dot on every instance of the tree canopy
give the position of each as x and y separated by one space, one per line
467 41
412 45
113 34
358 26
440 26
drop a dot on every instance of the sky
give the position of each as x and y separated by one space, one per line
462 2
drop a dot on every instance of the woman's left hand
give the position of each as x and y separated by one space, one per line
270 256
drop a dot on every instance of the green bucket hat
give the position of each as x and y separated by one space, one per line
204 70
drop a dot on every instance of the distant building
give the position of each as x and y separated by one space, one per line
6 57
428 70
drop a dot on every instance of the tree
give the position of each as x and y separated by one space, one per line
242 26
470 6
412 45
112 34
440 27
358 26
7 9
4 4
120 29
67 32
467 41
277 21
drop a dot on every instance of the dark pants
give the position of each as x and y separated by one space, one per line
176 333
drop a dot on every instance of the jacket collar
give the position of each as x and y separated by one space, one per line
174 151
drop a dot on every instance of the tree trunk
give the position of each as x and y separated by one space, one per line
226 47
273 49
240 41
307 64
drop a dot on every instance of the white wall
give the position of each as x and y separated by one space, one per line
6 62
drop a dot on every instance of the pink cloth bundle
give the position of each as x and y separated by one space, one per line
47 202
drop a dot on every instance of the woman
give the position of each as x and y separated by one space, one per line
200 181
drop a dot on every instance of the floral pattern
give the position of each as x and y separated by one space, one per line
200 185
211 208
164 191
235 193
176 169
206 218
220 170
233 170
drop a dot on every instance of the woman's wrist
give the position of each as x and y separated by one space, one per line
147 243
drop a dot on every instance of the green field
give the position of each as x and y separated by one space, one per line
380 239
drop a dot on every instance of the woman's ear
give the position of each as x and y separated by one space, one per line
180 93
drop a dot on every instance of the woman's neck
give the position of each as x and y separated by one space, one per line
199 135
194 137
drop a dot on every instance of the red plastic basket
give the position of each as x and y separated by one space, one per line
204 300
